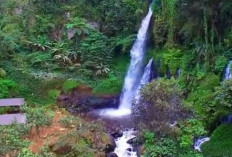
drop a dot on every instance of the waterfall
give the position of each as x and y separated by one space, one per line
199 142
131 82
145 79
178 73
132 79
227 72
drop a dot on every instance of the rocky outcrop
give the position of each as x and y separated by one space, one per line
62 149
111 145
111 155
82 99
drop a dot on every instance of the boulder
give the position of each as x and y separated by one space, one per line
62 149
135 142
110 144
111 155
117 134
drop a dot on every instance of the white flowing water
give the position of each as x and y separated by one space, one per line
145 79
123 149
227 72
178 73
133 76
199 142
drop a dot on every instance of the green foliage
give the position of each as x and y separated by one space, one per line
38 59
7 88
38 116
120 16
222 104
220 64
169 58
122 43
111 85
189 129
162 97
203 94
53 94
69 85
2 73
4 110
10 138
83 141
79 25
92 49
164 147
25 152
69 121
220 143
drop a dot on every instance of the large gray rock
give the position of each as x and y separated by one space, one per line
111 155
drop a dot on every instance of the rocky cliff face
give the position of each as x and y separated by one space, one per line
82 99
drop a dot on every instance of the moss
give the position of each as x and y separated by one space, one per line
69 85
220 144
112 85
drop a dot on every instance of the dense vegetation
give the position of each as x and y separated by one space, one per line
51 47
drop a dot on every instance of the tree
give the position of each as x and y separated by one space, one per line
160 105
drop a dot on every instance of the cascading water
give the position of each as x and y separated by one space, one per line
145 79
124 149
133 76
199 142
227 72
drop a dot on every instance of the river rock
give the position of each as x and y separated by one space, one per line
135 142
117 134
110 144
111 155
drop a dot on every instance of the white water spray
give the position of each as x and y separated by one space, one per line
145 79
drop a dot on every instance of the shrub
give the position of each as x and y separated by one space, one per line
7 87
38 117
69 85
53 94
2 73
159 147
163 98
220 144
25 152
203 94
10 139
220 64
111 85
69 121
189 129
